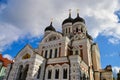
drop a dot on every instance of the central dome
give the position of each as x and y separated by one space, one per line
50 28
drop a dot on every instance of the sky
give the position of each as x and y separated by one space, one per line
23 22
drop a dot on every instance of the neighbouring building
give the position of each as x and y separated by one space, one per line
67 55
118 75
3 65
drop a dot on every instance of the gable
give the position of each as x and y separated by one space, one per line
25 53
52 36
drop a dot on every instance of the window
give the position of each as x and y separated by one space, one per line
69 30
81 54
55 52
49 74
46 54
19 74
64 73
76 29
59 51
25 72
76 52
84 77
57 74
38 76
66 30
50 53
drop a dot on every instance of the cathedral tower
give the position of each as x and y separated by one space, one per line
67 26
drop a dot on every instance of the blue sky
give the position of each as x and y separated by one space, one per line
23 22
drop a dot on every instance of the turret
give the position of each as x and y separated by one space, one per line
67 26
49 29
79 28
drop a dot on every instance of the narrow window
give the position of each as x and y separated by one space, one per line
50 53
38 76
46 54
49 74
25 72
64 73
81 54
76 52
59 51
19 74
55 52
57 74
69 30
76 29
66 30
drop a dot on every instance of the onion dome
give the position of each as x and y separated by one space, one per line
78 19
69 19
50 28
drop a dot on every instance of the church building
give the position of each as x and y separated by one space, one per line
67 55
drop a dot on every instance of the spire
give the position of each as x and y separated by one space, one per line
77 12
69 13
51 21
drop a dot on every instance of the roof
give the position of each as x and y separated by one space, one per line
5 61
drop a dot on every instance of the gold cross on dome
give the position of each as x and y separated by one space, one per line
78 10
69 11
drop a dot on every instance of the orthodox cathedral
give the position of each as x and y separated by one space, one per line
67 55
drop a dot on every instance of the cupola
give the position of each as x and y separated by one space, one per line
78 18
69 19
50 27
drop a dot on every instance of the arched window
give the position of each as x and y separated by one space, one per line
50 53
46 54
55 52
19 74
24 75
76 29
76 52
57 74
64 73
38 76
49 74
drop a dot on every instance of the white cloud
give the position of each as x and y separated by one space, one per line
112 55
8 56
115 70
23 17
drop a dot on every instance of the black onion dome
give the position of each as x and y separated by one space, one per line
68 20
78 19
50 28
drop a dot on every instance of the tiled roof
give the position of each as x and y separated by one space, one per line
5 61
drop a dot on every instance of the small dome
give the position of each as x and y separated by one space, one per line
50 28
69 19
78 19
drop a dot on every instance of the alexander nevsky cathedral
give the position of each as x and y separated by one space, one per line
67 55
